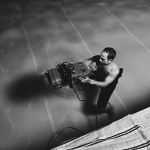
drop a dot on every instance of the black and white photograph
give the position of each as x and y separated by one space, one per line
74 74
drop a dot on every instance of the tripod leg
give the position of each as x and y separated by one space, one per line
78 89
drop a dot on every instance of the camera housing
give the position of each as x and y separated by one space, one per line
64 74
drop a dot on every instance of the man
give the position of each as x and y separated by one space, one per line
104 74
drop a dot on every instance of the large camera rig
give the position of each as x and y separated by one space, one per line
65 74
69 73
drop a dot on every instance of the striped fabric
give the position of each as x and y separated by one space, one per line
129 133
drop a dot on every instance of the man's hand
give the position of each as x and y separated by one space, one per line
86 80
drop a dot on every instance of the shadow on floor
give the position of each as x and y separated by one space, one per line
29 86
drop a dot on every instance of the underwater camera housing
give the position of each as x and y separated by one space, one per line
64 74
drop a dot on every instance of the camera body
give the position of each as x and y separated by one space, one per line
64 74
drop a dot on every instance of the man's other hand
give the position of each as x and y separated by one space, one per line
85 80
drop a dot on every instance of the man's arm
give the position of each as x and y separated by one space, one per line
109 79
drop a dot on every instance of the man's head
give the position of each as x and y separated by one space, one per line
107 55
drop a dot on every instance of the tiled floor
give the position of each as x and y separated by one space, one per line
37 35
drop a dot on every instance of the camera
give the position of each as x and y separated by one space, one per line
64 74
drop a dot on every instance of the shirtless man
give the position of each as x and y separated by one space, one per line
104 71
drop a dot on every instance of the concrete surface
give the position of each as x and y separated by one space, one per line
37 35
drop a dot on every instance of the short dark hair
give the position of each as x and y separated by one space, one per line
111 52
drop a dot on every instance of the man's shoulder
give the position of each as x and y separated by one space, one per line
114 65
114 69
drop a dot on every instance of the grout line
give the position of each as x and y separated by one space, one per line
10 118
45 102
121 101
115 93
30 48
26 37
35 65
90 52
127 30
49 116
77 31
56 32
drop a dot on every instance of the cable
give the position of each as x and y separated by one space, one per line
96 124
59 133
77 93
